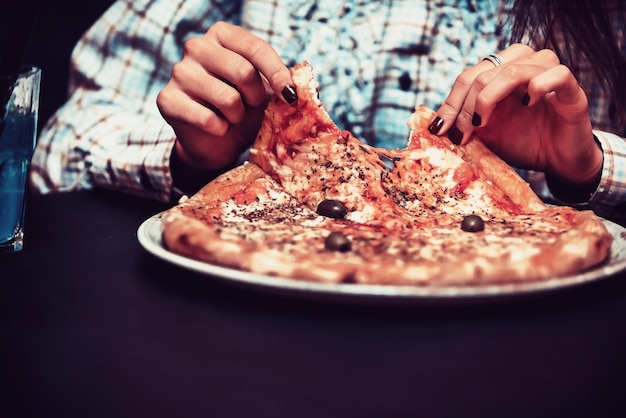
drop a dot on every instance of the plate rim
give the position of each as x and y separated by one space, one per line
154 245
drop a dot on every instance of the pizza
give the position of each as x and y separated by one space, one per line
313 202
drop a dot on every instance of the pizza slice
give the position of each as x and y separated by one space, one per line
314 161
438 180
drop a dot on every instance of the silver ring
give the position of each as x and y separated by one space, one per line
495 59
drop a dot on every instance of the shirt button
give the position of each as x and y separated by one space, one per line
405 82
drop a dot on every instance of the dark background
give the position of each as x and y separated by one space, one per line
57 29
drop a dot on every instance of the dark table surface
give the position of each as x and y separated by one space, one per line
92 325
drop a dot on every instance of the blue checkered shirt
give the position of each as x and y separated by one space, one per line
374 60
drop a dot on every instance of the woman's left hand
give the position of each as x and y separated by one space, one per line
530 110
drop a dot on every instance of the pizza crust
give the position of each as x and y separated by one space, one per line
187 229
498 255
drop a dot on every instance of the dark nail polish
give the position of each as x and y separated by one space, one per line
476 119
455 135
525 99
435 126
289 94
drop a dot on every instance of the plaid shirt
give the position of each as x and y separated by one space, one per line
609 200
374 61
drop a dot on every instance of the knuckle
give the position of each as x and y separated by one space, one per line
162 97
521 49
275 77
279 74
218 27
481 102
464 80
448 111
230 100
549 56
481 81
465 117
447 108
166 102
192 46
261 49
244 73
564 71
511 71
178 70
209 122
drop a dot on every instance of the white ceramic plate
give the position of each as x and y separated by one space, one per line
149 236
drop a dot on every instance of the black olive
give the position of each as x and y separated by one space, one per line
332 209
473 223
336 241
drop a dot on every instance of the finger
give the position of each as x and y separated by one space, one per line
178 109
569 99
491 88
509 81
447 114
199 131
261 55
453 104
510 78
227 66
214 93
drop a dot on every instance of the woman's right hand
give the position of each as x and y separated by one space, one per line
217 93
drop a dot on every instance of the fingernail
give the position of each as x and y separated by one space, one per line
525 99
476 119
289 94
435 126
455 135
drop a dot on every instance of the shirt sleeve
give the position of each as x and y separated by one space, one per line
609 199
110 133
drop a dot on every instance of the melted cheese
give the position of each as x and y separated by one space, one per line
437 157
367 214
